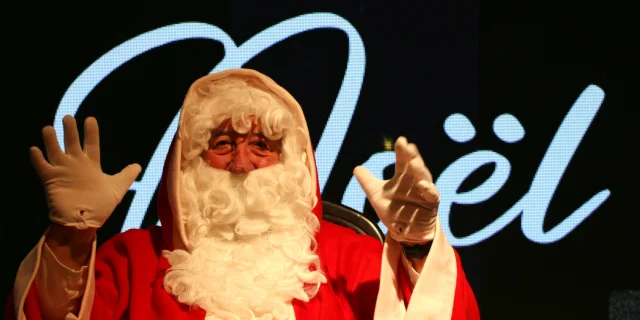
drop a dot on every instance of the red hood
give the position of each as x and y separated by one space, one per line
168 195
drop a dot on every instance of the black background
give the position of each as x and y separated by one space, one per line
425 61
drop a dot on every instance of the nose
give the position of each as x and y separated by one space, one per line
241 159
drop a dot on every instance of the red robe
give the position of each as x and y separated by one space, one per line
130 269
129 273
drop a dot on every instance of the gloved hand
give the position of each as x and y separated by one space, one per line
407 204
79 194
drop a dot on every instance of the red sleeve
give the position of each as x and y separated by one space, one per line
465 306
110 274
115 262
404 283
8 308
31 307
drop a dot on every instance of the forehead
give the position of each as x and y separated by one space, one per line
226 129
226 126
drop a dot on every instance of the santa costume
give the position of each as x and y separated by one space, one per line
204 265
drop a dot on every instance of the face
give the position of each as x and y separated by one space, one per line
241 153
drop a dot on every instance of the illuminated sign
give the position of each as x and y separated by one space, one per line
532 206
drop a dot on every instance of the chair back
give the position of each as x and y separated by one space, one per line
350 218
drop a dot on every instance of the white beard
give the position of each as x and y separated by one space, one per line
253 242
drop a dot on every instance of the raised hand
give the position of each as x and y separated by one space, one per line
79 194
407 203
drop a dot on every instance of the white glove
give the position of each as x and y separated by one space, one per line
79 194
407 203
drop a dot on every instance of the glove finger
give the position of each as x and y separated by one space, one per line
71 137
39 163
126 177
406 152
92 139
412 152
369 183
419 170
51 145
420 167
401 156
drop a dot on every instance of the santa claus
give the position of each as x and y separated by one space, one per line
242 234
